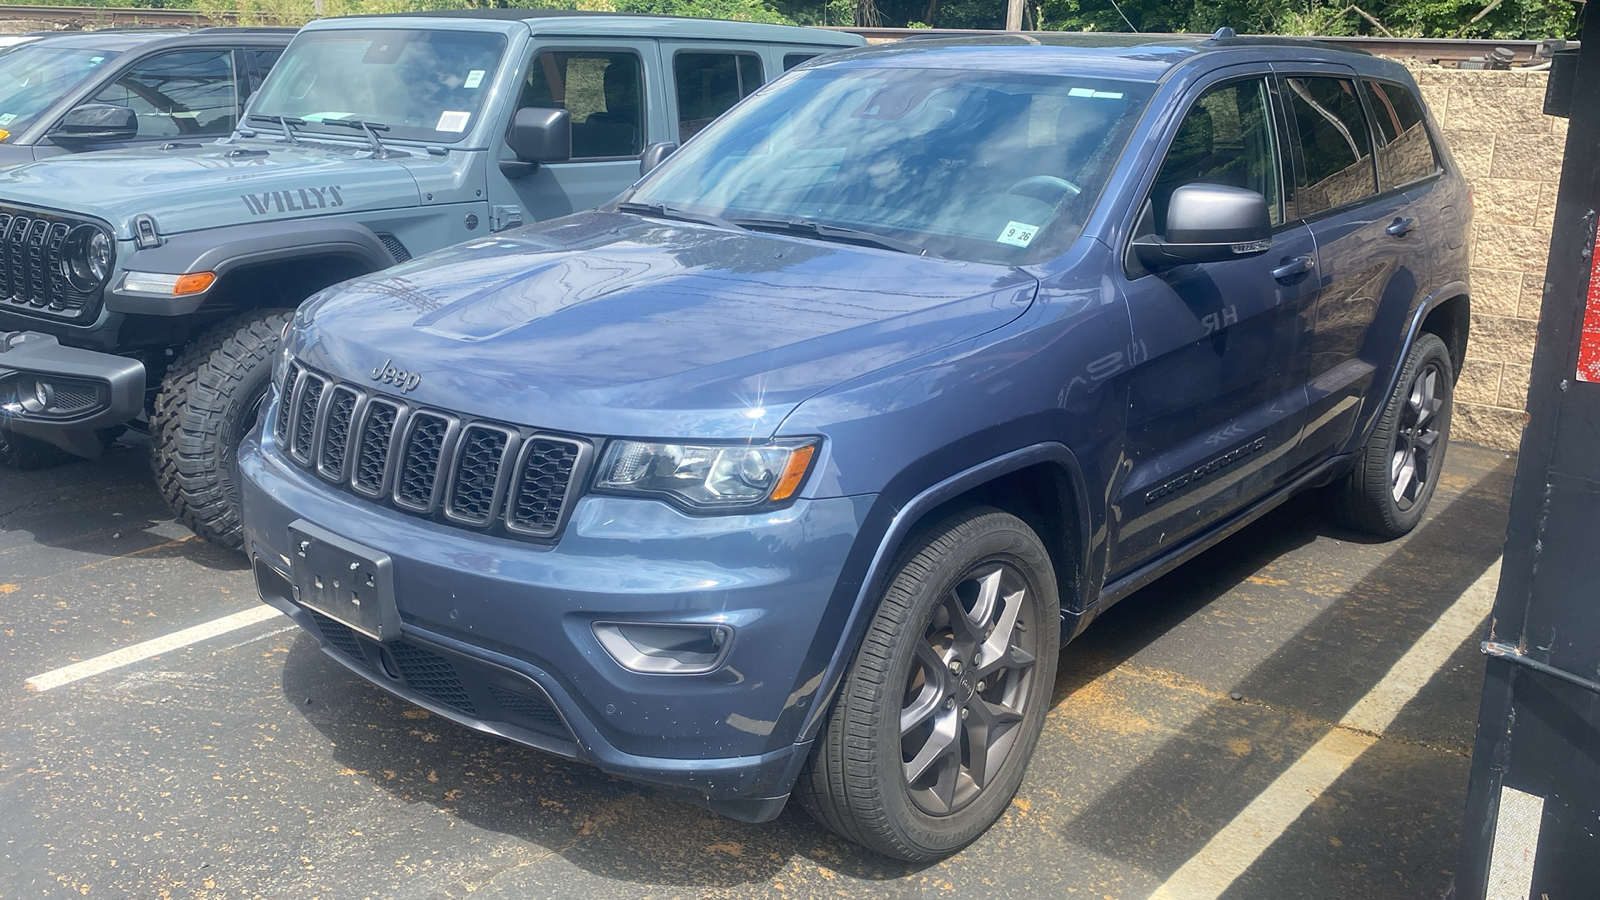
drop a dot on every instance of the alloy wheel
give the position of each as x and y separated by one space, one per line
966 693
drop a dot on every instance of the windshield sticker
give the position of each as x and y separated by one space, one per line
8 118
1017 234
453 121
96 60
4 134
474 78
1098 95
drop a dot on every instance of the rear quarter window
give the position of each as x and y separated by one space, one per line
1406 153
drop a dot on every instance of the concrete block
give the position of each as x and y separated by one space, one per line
1496 292
1511 248
1502 338
1514 386
1532 295
1547 205
1473 150
1497 109
1479 381
1506 200
1530 157
1487 425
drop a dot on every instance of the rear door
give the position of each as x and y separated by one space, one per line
1370 242
707 79
1217 400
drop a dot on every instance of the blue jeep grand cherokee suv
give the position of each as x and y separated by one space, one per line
792 469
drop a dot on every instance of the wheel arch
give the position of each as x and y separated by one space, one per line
1041 484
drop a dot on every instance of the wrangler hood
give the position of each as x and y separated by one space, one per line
188 189
604 323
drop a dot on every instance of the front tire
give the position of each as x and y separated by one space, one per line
209 400
933 727
1396 473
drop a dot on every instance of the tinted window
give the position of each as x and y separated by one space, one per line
261 62
601 91
964 164
33 78
1335 146
709 84
790 60
1406 152
422 85
178 94
1225 138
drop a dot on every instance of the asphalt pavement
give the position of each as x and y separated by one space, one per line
1288 716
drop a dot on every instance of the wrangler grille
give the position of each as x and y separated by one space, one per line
477 474
32 276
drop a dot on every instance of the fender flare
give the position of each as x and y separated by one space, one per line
1413 331
894 537
222 250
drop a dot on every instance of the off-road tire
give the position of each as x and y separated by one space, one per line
19 451
208 402
855 782
1366 497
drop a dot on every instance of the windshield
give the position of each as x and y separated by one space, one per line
33 78
424 85
989 167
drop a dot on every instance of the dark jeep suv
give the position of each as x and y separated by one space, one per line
793 469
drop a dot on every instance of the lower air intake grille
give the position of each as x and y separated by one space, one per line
432 675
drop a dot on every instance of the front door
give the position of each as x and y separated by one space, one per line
609 91
1217 400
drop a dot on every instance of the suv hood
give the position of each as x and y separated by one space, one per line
611 324
189 189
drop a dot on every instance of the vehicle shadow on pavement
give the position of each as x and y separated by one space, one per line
107 507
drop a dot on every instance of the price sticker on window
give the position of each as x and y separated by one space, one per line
474 78
453 121
1017 234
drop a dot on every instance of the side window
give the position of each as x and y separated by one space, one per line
602 90
261 62
1406 152
709 84
180 94
1225 138
790 60
1335 145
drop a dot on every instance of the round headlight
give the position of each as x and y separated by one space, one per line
86 257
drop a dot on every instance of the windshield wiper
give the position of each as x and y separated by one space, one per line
287 123
808 228
663 211
379 151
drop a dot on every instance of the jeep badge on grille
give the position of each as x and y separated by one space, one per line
388 374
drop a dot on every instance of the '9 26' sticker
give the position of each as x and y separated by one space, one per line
1017 234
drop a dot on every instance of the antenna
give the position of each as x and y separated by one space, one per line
1224 33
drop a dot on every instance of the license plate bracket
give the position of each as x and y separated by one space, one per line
344 580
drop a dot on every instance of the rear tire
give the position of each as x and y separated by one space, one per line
209 400
1396 473
932 729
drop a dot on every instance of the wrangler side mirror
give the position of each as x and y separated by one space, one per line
97 122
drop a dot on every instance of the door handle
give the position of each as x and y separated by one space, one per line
1401 227
1297 266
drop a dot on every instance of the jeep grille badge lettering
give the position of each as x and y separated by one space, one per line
388 374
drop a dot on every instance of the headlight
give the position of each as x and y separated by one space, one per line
708 477
86 257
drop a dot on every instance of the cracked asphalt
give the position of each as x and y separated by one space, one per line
251 765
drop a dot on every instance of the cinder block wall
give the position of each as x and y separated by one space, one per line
1511 153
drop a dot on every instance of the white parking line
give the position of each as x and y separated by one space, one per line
1236 847
143 650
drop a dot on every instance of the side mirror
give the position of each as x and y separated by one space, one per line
1209 223
655 155
541 135
97 122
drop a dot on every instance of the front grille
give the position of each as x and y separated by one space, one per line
472 473
32 275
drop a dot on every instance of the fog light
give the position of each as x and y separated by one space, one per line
52 397
665 649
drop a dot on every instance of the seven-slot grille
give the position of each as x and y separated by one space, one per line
473 473
31 273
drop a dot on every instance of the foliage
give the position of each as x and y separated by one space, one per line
1508 19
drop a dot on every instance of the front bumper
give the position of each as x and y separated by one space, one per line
85 390
497 633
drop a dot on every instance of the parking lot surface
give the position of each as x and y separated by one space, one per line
1269 721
